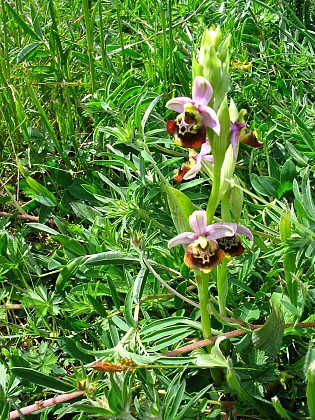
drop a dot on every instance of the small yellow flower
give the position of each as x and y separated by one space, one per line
245 65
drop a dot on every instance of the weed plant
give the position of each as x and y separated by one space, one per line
86 275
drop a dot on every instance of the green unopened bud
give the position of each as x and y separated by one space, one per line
197 68
213 64
236 199
223 51
213 36
240 118
285 226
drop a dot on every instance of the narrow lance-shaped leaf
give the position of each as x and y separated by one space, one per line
41 379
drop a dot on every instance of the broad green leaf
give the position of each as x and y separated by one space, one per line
182 289
36 23
268 338
170 360
70 346
41 190
288 172
44 228
120 323
86 211
180 207
310 355
302 160
71 244
265 185
288 305
27 51
44 214
306 134
41 379
148 111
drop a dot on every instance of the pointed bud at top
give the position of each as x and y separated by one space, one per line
213 63
213 36
236 199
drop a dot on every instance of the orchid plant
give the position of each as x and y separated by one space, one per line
206 121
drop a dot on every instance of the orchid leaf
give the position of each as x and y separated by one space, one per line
215 358
268 338
180 207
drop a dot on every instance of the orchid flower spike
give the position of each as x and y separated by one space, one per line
190 127
209 244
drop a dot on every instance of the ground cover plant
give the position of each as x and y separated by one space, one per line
157 215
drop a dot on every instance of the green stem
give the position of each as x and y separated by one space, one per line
89 40
222 281
222 285
121 36
202 285
203 293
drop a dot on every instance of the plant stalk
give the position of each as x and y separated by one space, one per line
202 285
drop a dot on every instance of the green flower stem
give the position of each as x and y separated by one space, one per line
222 280
202 285
222 285
202 280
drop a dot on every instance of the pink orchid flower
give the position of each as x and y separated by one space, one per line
189 128
235 130
204 154
204 251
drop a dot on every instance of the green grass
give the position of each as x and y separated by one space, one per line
83 149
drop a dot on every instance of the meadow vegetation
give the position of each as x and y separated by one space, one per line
85 219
